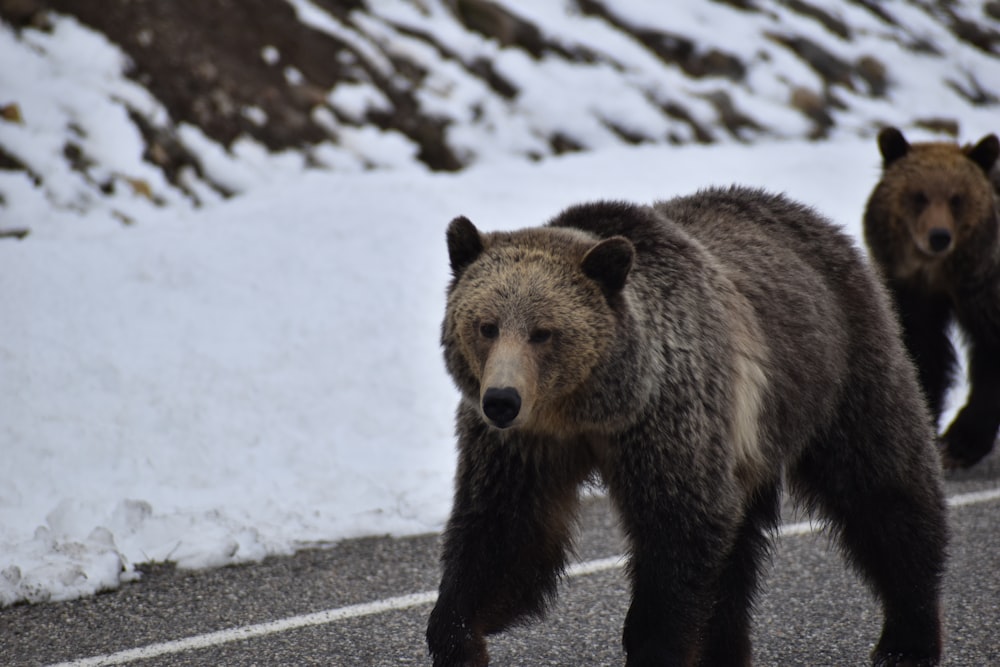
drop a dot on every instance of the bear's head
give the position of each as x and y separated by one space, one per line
529 316
940 192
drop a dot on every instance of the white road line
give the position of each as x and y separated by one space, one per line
401 602
974 497
259 630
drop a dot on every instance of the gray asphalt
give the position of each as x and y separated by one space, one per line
813 611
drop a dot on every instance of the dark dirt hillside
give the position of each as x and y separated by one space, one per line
272 70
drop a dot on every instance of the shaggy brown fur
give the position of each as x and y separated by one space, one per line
691 354
932 227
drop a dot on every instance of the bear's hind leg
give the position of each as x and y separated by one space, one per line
876 479
727 640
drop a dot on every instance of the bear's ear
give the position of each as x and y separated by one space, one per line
608 263
464 244
985 152
893 145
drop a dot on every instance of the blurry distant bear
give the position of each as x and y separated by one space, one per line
932 227
691 354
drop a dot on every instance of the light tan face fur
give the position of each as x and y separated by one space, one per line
530 321
938 202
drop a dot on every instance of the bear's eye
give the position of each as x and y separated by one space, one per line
489 330
955 202
539 336
919 200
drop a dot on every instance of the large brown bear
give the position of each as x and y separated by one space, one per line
690 354
931 225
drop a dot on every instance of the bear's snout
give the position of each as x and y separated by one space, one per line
939 239
501 406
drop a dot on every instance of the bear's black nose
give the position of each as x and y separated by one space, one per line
939 239
501 405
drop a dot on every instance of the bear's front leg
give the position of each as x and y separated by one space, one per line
972 434
452 642
680 516
925 321
674 583
505 543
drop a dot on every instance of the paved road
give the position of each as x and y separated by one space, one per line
345 605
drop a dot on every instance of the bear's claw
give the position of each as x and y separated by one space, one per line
881 659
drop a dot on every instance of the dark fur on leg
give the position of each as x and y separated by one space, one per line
727 641
504 546
679 540
973 433
841 477
903 566
925 322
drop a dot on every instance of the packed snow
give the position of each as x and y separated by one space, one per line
211 385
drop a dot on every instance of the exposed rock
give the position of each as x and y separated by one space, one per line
874 73
815 107
441 77
825 18
947 126
673 49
